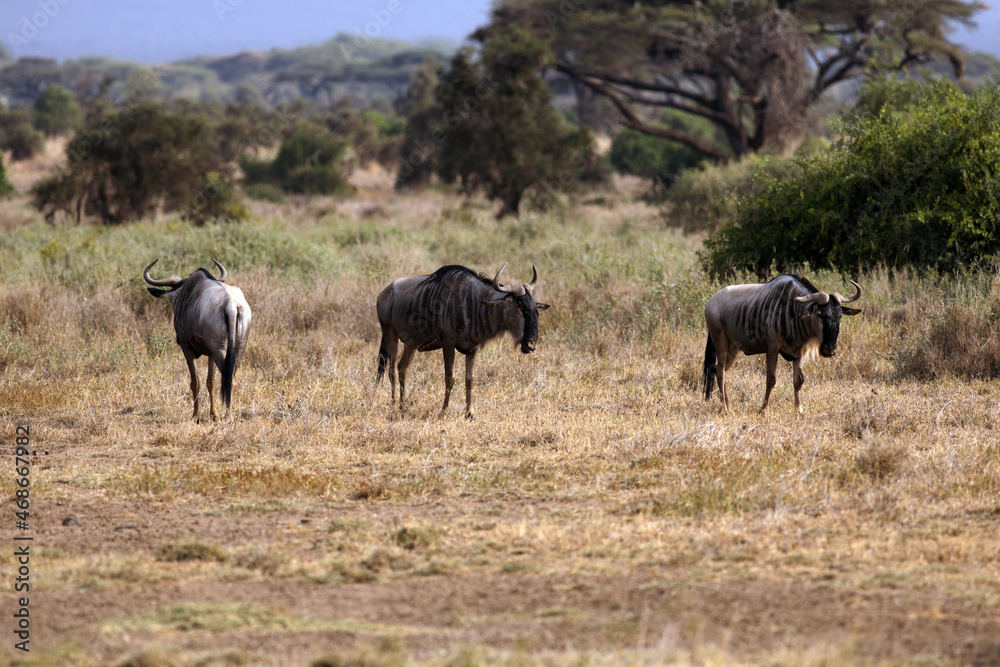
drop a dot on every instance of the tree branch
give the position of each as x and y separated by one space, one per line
665 88
634 122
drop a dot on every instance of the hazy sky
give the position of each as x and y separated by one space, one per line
153 31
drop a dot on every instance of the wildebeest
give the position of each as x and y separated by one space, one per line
453 308
211 319
786 316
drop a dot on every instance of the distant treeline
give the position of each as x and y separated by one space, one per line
377 70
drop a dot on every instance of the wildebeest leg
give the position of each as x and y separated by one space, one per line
209 386
404 362
772 368
189 358
470 367
722 364
449 376
388 349
798 379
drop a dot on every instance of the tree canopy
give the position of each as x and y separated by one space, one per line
502 134
751 67
124 164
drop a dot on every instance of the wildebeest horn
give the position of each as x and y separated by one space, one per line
222 269
816 297
534 278
841 299
516 290
166 282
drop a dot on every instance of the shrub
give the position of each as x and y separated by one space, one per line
217 200
946 341
184 550
308 162
5 187
125 164
265 192
56 111
372 135
882 459
706 196
893 94
17 134
656 159
904 188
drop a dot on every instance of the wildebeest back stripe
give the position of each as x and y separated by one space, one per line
453 270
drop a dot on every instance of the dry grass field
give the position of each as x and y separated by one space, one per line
597 511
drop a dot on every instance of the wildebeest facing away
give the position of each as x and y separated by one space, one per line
786 316
211 319
452 309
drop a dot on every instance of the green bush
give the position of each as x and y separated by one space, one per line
916 187
309 161
656 159
5 187
56 111
217 199
17 134
372 135
268 192
123 165
706 196
894 94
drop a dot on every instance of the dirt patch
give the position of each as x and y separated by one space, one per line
547 613
659 609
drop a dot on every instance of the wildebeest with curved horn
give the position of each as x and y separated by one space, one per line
786 316
211 318
453 308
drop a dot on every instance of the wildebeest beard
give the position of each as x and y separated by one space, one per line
530 336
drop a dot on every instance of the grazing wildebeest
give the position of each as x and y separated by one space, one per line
786 316
211 319
452 309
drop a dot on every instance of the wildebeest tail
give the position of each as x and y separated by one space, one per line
710 363
383 359
232 352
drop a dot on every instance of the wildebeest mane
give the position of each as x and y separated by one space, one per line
812 289
457 270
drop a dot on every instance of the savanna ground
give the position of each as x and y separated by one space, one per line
597 511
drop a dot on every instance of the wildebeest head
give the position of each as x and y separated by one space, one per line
828 308
520 295
176 282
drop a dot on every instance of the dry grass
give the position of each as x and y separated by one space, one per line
592 460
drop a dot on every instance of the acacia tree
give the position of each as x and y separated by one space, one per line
124 164
502 134
751 67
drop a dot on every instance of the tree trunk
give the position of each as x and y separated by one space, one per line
511 204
